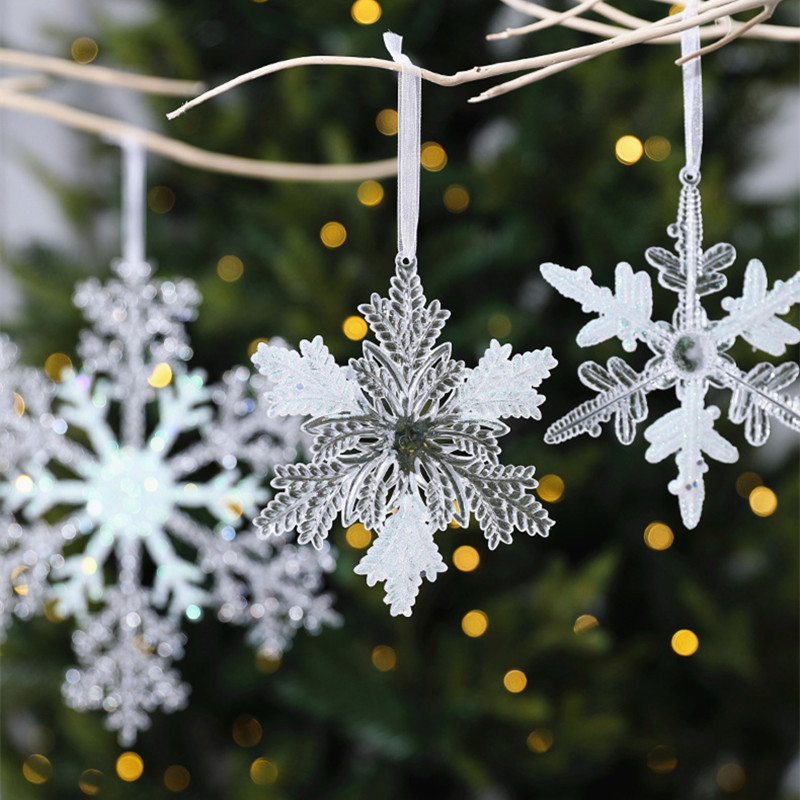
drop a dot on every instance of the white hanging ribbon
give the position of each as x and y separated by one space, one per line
409 117
133 200
692 94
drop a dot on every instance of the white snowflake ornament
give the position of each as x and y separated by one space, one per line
689 353
126 487
405 437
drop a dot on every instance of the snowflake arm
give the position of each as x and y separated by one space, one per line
689 432
625 313
402 555
308 382
753 315
505 387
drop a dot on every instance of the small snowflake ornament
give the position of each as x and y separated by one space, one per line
405 439
690 352
126 486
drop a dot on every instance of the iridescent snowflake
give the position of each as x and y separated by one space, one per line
129 531
405 440
689 354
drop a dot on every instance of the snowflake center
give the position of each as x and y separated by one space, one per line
409 439
692 353
131 493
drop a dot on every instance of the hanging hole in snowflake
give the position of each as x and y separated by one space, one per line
691 353
689 177
409 440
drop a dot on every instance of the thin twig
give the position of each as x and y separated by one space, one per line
93 73
193 156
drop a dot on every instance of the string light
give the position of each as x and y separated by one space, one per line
746 482
55 364
466 558
515 680
263 772
433 157
685 642
267 662
550 488
90 782
161 375
355 328
247 731
365 12
384 658
456 198
657 148
539 740
253 346
130 767
357 536
161 199
498 325
230 268
474 623
19 405
628 149
585 622
370 193
37 769
177 778
84 50
333 234
763 501
386 122
658 536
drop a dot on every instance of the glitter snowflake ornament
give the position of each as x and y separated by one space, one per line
405 439
690 352
127 486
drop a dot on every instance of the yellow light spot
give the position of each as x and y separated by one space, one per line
456 198
160 376
84 50
731 777
355 328
161 199
23 484
676 8
498 325
263 772
585 622
55 364
233 507
90 782
515 680
177 778
88 565
19 405
333 234
685 642
230 268
267 662
386 122
365 12
662 759
746 482
18 580
550 488
763 501
259 1
540 740
657 148
51 610
384 658
466 558
130 767
658 536
370 193
475 623
253 346
433 157
628 149
358 537
37 769
247 731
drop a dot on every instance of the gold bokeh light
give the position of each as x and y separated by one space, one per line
628 149
230 268
37 769
386 121
539 740
657 148
474 623
456 198
731 777
55 364
658 536
161 375
247 730
662 759
550 488
263 772
585 622
90 782
333 234
365 12
515 680
161 199
357 536
433 157
763 501
370 193
685 642
84 50
130 767
355 328
384 658
177 778
466 558
267 662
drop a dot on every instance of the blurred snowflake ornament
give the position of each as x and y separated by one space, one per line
689 353
405 438
132 468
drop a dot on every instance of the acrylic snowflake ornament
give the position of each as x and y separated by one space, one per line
689 354
127 487
404 440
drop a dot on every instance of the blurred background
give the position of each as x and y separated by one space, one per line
547 669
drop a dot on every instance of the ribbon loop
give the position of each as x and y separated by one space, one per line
409 117
692 95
